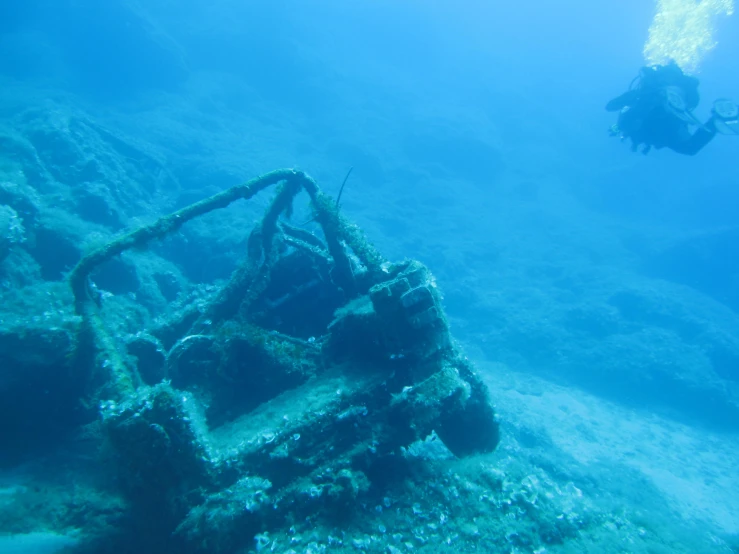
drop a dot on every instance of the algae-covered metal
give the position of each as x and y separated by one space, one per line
296 390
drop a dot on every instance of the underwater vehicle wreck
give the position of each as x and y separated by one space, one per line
296 390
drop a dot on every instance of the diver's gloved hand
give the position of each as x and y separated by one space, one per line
725 116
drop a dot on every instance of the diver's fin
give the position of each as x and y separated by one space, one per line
674 102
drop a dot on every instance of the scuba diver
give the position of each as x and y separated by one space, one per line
657 111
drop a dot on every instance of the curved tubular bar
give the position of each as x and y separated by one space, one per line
164 226
94 343
338 228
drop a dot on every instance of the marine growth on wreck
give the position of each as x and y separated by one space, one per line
300 391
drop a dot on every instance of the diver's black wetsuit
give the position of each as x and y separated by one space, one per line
646 117
659 128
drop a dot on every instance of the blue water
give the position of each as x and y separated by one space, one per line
597 289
